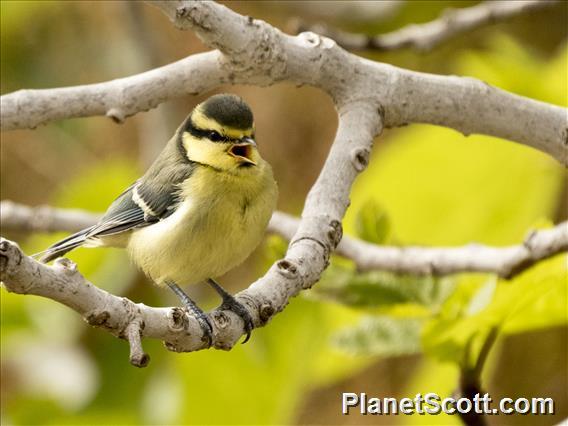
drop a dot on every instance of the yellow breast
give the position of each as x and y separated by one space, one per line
220 222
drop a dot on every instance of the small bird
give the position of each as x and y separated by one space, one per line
200 209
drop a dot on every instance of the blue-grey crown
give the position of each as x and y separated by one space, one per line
228 110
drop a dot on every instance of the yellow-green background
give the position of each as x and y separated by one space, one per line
436 186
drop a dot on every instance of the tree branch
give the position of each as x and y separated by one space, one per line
117 99
366 95
503 261
253 52
21 218
424 37
63 283
307 257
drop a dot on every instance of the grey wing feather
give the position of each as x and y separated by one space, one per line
160 202
148 200
122 215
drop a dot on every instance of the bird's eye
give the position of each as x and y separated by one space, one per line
215 136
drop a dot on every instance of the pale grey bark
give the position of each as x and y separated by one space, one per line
306 258
253 52
503 261
367 95
426 36
21 218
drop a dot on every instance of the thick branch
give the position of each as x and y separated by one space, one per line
256 53
253 52
307 257
425 37
503 261
63 283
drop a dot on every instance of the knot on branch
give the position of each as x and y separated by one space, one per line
266 311
10 259
98 318
360 158
529 240
188 332
312 39
117 115
190 15
177 320
335 233
222 323
325 232
287 268
68 267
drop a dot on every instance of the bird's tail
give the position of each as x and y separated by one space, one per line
61 247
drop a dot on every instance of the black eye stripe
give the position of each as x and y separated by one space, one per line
211 135
207 134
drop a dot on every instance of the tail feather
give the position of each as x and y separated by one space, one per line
60 248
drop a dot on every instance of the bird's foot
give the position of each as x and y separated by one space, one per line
197 312
232 304
235 306
204 322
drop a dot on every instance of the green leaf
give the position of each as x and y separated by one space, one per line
535 299
372 223
381 336
378 289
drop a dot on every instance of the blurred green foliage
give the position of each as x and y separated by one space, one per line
372 223
383 291
425 185
384 336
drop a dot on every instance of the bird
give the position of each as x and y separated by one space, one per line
198 211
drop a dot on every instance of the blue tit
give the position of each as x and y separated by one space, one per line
200 209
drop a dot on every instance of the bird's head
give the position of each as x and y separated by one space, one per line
220 133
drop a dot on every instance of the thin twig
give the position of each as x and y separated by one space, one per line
503 261
21 218
425 37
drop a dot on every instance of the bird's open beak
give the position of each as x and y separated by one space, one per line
243 151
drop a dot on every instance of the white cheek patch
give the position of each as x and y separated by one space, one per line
206 152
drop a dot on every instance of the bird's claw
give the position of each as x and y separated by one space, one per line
231 304
196 311
206 328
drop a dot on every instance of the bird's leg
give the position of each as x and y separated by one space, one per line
231 304
191 306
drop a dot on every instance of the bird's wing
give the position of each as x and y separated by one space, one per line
150 199
123 214
153 197
140 205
